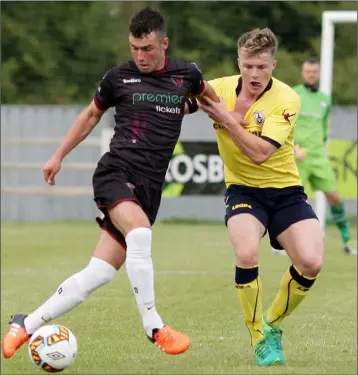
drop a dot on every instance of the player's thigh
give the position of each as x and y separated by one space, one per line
323 177
246 220
303 242
110 249
128 215
294 225
291 207
118 199
245 233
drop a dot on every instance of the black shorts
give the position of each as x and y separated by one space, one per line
276 209
112 186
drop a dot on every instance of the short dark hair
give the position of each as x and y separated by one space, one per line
146 21
313 60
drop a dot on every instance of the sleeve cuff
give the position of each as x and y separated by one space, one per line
192 104
98 104
272 141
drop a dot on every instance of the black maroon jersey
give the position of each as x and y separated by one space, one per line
149 113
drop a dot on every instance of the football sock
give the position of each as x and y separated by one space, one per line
141 276
293 289
71 293
249 292
339 217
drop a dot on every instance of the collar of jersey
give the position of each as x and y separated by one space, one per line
239 87
311 88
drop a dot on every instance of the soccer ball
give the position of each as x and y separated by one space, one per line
52 348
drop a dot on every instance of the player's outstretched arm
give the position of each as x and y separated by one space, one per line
81 128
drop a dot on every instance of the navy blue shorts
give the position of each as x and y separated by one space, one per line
276 209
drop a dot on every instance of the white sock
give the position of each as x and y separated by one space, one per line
71 293
141 276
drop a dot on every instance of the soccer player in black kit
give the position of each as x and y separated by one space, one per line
149 95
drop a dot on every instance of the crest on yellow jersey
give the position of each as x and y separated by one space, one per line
259 117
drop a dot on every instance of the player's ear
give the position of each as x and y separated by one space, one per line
165 42
238 62
274 63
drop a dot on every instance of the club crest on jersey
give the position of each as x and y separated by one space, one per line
178 80
259 117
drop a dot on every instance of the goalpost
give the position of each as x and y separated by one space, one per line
329 19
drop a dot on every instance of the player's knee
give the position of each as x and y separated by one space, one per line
139 243
301 278
311 266
246 257
97 273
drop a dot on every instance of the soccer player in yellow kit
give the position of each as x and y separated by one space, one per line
254 123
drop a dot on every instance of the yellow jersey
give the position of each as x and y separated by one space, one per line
272 116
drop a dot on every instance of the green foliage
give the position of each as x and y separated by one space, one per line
56 52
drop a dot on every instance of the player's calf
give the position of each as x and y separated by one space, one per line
341 221
70 294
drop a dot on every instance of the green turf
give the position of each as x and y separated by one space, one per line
195 293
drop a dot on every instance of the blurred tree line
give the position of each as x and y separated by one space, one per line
57 52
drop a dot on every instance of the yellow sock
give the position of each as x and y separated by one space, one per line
293 289
249 292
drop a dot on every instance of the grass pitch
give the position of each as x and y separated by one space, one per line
195 293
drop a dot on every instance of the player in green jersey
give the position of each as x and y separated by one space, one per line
310 138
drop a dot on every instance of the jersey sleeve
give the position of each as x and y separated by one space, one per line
196 79
280 122
104 97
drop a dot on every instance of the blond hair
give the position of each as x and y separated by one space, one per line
258 41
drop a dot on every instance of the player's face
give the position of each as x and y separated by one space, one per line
310 73
256 70
148 52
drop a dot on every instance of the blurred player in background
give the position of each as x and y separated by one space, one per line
310 139
149 95
264 191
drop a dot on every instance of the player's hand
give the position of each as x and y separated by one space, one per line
216 110
300 153
51 168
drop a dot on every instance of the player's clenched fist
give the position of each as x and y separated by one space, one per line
51 168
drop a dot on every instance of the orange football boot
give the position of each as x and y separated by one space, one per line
170 341
15 337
